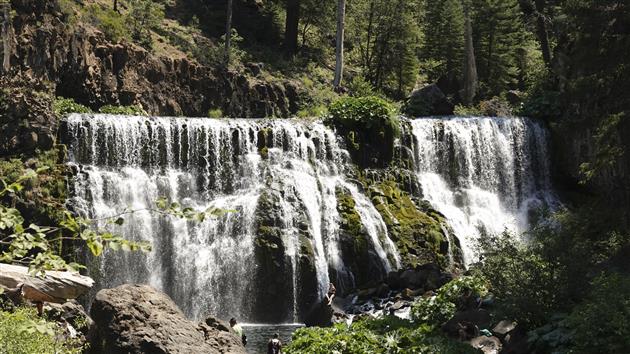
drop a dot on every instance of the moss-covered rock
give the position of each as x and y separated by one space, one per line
417 230
369 127
353 241
273 267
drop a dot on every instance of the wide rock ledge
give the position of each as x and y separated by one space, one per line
140 319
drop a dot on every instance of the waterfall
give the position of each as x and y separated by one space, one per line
483 174
127 163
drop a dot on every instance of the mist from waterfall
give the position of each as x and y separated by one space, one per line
484 174
127 163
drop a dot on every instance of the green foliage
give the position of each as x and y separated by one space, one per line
372 113
386 34
113 24
360 87
443 47
437 309
215 113
369 126
23 332
133 110
608 147
64 106
523 281
144 16
542 103
498 35
378 336
601 321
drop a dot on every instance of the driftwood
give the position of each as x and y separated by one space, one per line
54 286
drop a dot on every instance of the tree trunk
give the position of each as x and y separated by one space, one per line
6 37
291 26
543 35
228 33
536 8
470 66
341 19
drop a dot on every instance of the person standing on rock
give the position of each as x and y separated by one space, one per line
331 293
238 330
275 345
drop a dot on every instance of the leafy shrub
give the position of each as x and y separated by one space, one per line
64 106
132 110
23 332
215 113
378 336
113 24
542 104
437 309
524 282
601 322
470 111
369 126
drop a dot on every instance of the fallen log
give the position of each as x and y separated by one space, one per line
54 286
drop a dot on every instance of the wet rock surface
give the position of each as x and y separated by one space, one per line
139 319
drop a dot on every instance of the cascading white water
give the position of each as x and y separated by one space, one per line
128 163
483 174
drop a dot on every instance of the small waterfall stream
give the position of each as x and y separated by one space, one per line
483 174
127 163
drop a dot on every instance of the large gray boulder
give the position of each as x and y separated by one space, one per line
140 319
428 101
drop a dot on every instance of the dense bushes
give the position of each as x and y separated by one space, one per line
574 264
436 310
377 336
369 127
22 332
64 106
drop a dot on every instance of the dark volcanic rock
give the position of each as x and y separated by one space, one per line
139 319
85 66
428 101
27 121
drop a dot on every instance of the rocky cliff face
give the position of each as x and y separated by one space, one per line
80 63
575 143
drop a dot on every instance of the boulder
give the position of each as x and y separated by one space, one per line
140 319
504 327
321 316
477 317
488 345
428 101
393 280
412 279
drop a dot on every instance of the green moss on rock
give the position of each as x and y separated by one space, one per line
369 127
418 233
353 238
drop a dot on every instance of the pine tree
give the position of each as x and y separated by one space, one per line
443 27
499 34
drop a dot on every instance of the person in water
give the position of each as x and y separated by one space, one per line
238 330
331 293
275 345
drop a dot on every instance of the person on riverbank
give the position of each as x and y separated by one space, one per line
236 327
330 295
275 345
